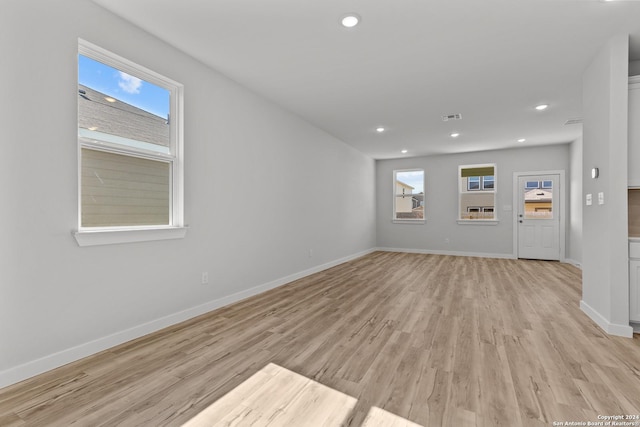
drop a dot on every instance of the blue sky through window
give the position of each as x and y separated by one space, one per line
412 178
121 86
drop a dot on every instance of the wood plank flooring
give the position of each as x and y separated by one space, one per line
275 397
380 418
437 340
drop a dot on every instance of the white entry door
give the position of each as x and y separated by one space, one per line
539 217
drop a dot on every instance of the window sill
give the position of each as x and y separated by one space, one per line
128 235
478 222
408 221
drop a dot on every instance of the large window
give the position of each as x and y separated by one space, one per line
130 145
477 194
408 195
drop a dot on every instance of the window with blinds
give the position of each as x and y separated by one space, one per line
477 192
129 144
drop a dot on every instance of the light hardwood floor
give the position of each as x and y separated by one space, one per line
275 396
438 340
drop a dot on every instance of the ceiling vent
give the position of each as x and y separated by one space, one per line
452 117
573 121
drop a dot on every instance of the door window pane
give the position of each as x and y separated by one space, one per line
538 202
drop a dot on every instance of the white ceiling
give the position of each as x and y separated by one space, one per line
408 63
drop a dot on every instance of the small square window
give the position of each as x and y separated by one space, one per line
488 182
473 183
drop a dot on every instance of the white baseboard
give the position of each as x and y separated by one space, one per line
52 361
453 253
610 328
461 253
573 262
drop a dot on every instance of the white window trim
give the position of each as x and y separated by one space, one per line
90 236
495 220
409 221
394 220
127 235
478 221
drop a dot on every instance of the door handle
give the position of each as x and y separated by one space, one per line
520 221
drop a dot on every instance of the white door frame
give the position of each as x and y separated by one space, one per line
563 198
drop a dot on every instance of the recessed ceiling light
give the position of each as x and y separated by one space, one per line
93 128
455 135
380 129
404 151
541 107
350 20
109 99
521 140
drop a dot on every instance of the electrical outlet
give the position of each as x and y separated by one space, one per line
310 253
447 240
205 277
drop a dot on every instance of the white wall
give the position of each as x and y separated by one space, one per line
441 200
574 249
605 274
303 189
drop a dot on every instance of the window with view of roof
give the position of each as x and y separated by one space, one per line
408 203
130 144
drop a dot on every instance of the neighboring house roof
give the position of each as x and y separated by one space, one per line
119 118
404 185
537 195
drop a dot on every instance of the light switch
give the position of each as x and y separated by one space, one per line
601 198
588 200
507 208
